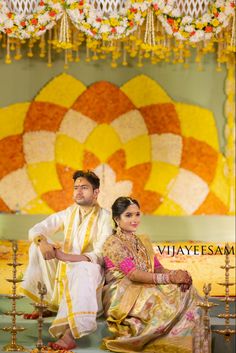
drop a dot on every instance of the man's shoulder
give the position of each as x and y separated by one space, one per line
70 208
104 212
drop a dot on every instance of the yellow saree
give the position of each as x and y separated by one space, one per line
144 317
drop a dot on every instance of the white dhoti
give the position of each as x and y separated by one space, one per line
81 301
39 270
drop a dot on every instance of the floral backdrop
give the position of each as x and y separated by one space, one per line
135 137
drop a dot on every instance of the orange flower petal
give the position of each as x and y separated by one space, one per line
103 102
39 118
199 157
65 175
11 154
117 162
161 118
4 208
212 205
90 161
138 175
149 200
57 200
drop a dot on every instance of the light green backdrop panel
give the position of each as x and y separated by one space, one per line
199 228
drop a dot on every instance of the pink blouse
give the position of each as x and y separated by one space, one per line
126 266
157 264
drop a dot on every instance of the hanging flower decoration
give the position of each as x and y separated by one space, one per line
30 25
98 25
194 29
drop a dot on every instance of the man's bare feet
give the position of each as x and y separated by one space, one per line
35 315
66 342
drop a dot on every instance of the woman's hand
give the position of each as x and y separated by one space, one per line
180 277
184 287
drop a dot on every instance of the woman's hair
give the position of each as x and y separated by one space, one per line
120 205
91 177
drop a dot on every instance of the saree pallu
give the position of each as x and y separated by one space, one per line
148 317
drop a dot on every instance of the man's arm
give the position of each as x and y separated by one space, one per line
48 226
62 256
42 232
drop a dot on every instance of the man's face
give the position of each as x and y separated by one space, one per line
84 194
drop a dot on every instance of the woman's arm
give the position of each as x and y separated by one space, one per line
174 277
158 268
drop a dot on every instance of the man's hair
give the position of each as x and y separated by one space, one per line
91 177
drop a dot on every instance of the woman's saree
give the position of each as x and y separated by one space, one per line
144 317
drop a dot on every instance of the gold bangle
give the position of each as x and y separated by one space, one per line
37 240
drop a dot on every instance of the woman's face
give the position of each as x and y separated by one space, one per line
129 219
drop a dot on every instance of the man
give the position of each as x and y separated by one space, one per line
74 284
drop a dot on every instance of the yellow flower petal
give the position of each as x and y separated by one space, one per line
198 123
37 206
103 142
169 207
142 91
67 87
138 151
44 177
12 119
160 177
69 152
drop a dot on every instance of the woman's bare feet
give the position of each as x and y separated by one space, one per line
66 342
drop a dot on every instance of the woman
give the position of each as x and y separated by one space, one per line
148 308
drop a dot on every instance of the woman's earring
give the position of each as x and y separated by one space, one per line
114 225
118 229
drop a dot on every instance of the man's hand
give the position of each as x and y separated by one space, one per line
47 250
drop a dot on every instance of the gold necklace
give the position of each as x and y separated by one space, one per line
139 251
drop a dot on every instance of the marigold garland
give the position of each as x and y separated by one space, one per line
30 25
194 29
230 131
117 25
100 26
